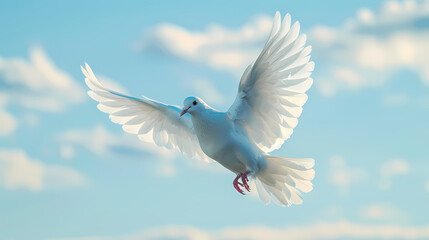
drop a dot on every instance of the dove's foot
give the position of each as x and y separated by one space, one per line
245 180
235 183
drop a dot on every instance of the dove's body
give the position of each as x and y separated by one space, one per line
226 142
269 101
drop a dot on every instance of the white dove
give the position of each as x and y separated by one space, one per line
270 97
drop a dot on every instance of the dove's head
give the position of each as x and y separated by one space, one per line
192 105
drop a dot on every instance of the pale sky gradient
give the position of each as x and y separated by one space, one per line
67 172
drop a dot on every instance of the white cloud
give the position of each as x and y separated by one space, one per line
334 230
8 123
344 177
38 83
348 76
366 16
34 83
96 139
215 46
66 151
364 51
18 171
372 46
391 169
384 211
99 141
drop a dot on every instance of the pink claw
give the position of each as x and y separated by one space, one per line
245 180
235 183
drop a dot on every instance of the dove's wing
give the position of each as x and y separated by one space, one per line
272 89
150 120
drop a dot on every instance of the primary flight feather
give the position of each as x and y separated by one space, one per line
270 97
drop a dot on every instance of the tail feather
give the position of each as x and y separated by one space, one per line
263 193
303 186
284 179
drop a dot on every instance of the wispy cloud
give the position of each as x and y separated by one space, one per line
19 171
8 123
38 83
216 46
384 212
101 142
365 50
335 230
67 151
395 100
35 83
391 169
343 176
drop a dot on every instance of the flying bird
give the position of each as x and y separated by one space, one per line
269 101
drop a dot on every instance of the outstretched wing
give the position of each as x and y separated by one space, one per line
272 89
152 121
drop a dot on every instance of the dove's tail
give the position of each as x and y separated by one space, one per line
284 179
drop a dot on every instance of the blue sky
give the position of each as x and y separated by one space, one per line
67 172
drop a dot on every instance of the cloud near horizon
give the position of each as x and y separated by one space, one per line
328 230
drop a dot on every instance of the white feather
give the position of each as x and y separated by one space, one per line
274 77
147 118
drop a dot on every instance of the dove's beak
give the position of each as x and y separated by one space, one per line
184 110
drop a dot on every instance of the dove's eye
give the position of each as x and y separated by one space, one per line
195 103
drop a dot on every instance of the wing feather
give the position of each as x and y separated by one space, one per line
152 121
272 90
